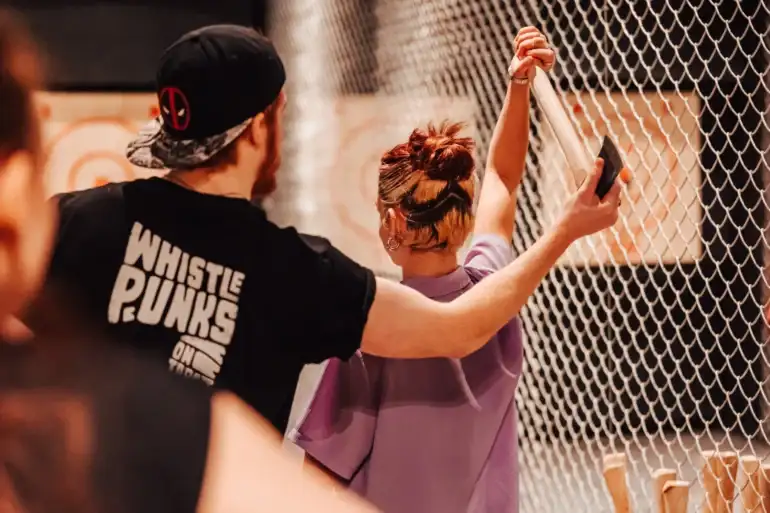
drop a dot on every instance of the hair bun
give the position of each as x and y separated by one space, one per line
440 154
453 162
418 153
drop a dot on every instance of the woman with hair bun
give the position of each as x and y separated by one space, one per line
439 435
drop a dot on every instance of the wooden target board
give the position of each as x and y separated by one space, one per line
659 138
85 137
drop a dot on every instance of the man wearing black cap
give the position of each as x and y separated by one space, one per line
213 84
186 267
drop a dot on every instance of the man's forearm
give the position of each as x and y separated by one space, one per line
510 139
405 324
481 312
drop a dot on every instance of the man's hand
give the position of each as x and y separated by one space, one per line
531 51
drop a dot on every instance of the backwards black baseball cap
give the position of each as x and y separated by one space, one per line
211 84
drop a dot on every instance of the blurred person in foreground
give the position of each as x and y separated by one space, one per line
185 267
439 435
87 426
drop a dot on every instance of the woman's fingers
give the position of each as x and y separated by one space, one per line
532 43
613 196
589 184
543 55
525 32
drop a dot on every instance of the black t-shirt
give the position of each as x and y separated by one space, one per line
211 286
98 429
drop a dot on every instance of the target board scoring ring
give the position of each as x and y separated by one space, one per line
89 152
631 230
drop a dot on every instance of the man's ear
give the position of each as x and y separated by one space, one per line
257 129
259 120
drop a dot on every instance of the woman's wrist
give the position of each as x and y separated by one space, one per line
518 80
522 82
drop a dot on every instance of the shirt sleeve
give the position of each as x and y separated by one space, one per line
330 297
489 253
60 258
338 427
72 236
83 216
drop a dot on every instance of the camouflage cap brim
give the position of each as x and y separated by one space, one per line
154 149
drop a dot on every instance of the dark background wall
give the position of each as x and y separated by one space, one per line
113 45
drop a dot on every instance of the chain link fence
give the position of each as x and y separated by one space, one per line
649 340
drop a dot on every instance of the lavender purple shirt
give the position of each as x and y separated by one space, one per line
426 436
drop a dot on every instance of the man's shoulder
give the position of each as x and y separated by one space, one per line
301 254
291 244
283 237
314 242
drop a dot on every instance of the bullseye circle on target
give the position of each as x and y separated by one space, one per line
644 195
354 196
85 137
360 179
89 170
660 220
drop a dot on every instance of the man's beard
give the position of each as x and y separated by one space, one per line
265 183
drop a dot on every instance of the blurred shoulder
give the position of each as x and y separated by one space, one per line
248 469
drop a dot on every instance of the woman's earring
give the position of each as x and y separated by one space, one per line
392 244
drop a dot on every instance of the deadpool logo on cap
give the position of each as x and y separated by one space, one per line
175 108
